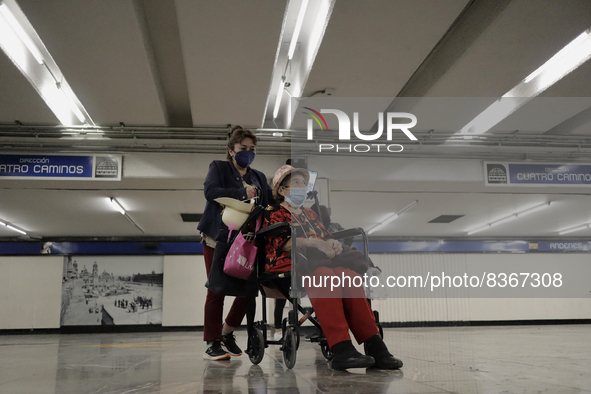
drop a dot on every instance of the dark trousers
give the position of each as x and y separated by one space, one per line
214 307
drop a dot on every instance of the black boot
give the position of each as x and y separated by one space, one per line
376 348
346 356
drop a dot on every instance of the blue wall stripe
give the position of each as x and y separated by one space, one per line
163 248
102 248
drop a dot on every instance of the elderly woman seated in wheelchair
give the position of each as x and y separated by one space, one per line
338 310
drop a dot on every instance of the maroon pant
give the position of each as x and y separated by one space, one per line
338 315
214 307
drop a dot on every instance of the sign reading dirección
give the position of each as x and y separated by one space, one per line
61 167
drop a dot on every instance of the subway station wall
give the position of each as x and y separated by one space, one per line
461 306
30 292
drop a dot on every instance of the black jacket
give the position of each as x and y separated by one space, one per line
224 180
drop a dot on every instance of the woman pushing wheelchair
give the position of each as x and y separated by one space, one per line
319 256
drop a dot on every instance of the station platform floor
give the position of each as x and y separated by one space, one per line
508 359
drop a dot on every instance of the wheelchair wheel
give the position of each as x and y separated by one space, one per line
283 327
257 346
294 318
290 348
326 350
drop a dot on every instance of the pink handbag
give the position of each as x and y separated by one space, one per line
241 257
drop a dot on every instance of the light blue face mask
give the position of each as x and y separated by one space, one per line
297 196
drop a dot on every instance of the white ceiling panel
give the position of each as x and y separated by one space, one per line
372 48
229 49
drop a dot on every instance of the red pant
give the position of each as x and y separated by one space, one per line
214 307
338 315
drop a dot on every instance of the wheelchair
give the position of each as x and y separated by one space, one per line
283 285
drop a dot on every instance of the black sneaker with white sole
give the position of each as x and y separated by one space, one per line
229 343
215 352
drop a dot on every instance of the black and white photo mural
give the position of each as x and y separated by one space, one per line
111 290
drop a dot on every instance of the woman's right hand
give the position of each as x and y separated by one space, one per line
251 191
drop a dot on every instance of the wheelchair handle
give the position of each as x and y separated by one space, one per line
274 229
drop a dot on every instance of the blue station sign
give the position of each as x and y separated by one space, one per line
61 167
526 174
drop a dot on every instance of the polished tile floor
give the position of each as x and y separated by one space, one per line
519 359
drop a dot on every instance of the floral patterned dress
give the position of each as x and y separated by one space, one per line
305 224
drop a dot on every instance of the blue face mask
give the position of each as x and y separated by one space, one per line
297 196
244 158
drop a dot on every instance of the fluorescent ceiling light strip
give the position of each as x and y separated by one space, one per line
134 223
391 218
560 54
479 229
311 19
61 105
15 229
511 217
298 28
118 206
73 107
375 228
278 99
20 32
504 220
46 76
378 226
409 206
569 58
534 209
572 230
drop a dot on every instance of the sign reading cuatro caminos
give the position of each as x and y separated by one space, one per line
61 167
538 174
